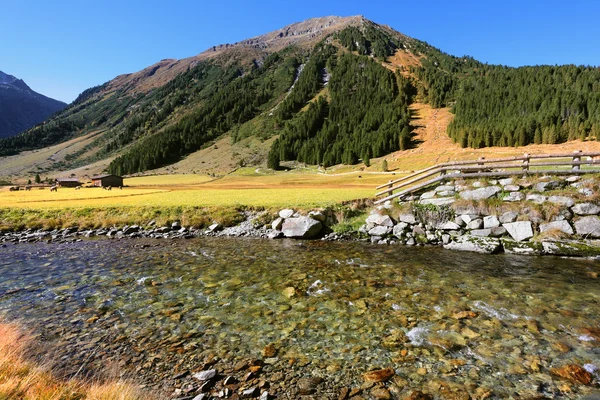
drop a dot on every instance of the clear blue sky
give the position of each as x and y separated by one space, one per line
62 47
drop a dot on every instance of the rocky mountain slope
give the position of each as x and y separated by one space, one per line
20 107
324 91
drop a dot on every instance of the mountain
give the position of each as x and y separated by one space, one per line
324 91
21 108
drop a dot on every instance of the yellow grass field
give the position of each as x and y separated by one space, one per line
276 190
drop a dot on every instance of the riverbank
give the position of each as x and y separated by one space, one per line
32 378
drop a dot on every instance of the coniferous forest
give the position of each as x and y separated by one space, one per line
337 101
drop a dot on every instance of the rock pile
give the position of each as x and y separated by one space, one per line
438 218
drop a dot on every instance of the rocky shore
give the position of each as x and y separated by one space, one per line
551 216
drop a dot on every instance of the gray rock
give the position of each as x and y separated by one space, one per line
411 242
380 230
251 392
264 396
277 224
490 221
512 188
563 214
519 231
176 225
586 192
319 216
475 224
572 179
588 226
481 193
536 198
205 375
468 218
130 229
586 209
506 181
514 196
522 248
445 238
498 231
408 218
378 219
562 226
562 200
578 248
400 229
446 193
428 195
444 188
448 226
475 244
509 216
286 213
214 227
301 227
477 184
481 232
459 221
543 186
274 234
445 201
468 209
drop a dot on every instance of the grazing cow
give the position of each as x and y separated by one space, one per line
54 188
14 189
28 188
78 187
360 176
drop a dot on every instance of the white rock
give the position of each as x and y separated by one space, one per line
506 181
380 230
286 213
481 232
480 194
444 188
475 244
562 200
449 226
475 224
588 226
514 196
318 215
408 218
562 226
512 188
536 198
399 229
490 221
428 195
301 227
205 375
277 224
378 219
519 231
446 201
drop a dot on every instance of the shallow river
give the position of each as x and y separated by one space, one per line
446 322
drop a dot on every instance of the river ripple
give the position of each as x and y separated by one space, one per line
445 321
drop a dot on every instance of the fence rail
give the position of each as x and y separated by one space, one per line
496 167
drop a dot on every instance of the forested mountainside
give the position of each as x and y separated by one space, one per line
326 89
21 107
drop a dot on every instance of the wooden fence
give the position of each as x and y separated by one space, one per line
526 164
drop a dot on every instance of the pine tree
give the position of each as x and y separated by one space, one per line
384 165
37 178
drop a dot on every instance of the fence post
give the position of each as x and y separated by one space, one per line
481 162
525 166
576 158
390 185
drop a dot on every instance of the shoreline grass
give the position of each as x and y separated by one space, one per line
21 378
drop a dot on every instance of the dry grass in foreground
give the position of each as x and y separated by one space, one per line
20 378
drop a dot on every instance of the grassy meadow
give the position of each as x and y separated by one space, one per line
196 200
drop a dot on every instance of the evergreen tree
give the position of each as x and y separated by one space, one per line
37 178
384 165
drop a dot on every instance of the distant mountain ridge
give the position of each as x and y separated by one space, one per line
323 91
21 107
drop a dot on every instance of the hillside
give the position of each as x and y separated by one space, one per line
324 91
21 107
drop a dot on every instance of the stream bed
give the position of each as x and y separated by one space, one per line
451 325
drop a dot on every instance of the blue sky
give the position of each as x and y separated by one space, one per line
62 47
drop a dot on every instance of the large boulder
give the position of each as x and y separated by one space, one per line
380 230
301 227
481 193
562 226
588 226
586 209
476 244
519 231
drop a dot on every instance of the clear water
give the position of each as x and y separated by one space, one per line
335 309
